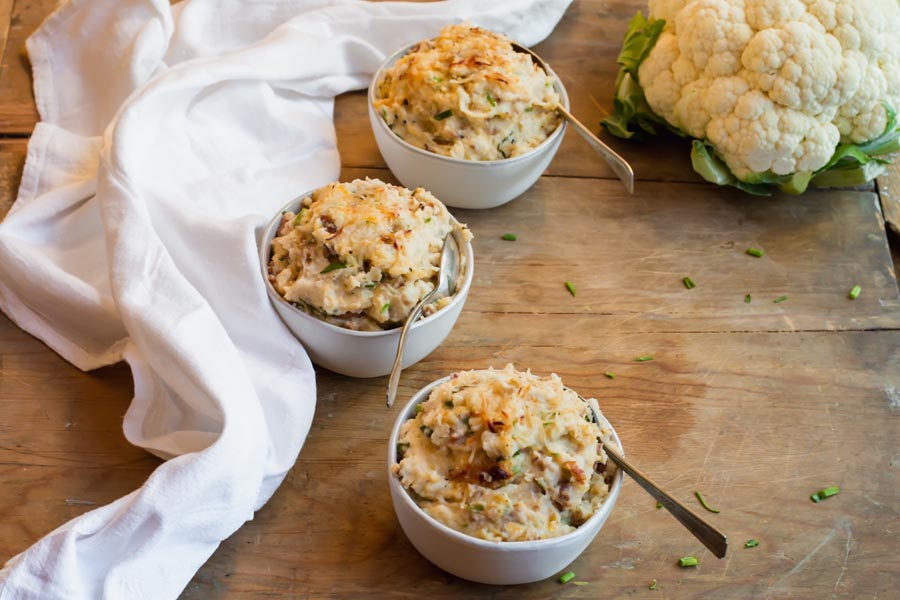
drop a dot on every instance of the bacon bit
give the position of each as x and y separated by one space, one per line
600 467
576 470
387 239
328 224
498 473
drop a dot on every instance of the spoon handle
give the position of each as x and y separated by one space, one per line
619 165
394 381
711 537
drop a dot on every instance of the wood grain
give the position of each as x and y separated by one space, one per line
756 405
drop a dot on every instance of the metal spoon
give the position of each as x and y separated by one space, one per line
618 164
446 286
711 537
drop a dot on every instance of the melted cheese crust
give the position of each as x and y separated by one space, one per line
468 94
505 456
361 254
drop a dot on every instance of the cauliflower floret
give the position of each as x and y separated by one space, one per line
775 85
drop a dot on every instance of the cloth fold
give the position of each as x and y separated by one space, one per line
169 135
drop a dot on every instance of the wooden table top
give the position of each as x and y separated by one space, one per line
755 405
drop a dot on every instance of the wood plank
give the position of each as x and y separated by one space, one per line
6 8
12 160
627 257
17 111
742 417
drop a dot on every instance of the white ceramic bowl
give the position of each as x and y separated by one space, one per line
475 559
363 353
457 182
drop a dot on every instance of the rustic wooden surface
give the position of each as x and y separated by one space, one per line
757 405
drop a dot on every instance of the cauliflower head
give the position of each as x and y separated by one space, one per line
780 91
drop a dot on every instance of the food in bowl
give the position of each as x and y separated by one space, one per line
362 254
468 94
505 455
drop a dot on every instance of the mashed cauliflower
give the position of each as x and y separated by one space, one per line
505 456
467 94
362 254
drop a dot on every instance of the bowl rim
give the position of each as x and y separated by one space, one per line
265 245
579 531
547 142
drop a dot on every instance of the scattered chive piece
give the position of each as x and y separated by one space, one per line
371 285
644 358
477 507
509 237
780 299
571 288
854 293
385 307
491 100
384 113
688 561
658 505
428 220
689 283
755 252
653 585
419 408
747 299
703 502
333 267
751 543
567 577
299 216
610 375
826 493
529 109
441 116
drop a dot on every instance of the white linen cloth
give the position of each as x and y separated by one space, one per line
169 134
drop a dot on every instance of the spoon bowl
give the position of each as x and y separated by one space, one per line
618 164
446 286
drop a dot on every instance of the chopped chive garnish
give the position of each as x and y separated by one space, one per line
826 493
854 293
658 505
747 299
385 307
689 283
371 285
333 267
384 113
419 408
610 375
509 237
448 403
688 561
567 577
491 100
571 287
529 109
644 358
443 115
751 543
300 216
428 220
652 585
780 299
703 502
755 252
477 507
